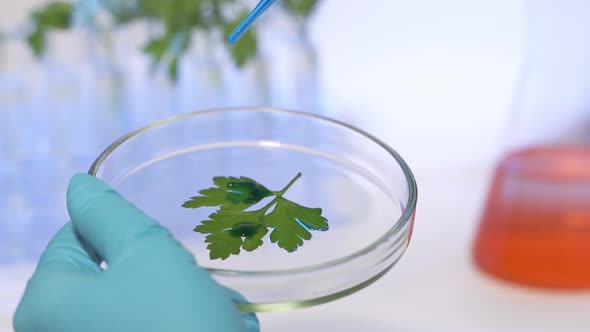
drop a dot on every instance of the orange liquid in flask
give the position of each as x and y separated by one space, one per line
535 228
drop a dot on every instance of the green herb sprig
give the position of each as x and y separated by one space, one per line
233 227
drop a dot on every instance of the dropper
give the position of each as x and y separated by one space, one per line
241 29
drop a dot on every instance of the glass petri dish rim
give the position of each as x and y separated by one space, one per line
398 225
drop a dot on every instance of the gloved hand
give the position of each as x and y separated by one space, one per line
151 283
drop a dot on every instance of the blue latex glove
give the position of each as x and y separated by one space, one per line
151 284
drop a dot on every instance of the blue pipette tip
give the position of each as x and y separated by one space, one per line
236 35
243 27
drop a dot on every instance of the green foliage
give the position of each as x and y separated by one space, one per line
168 47
291 223
232 228
301 8
54 16
247 48
178 18
230 193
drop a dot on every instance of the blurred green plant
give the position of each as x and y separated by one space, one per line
54 16
179 19
300 8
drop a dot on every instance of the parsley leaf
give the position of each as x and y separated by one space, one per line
232 228
231 193
292 222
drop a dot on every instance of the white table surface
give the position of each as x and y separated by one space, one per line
434 287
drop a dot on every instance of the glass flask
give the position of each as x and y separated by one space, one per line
535 226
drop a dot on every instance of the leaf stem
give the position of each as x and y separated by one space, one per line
292 182
278 195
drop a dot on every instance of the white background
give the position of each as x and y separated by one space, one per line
435 80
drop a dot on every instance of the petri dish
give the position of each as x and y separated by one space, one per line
365 189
